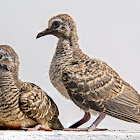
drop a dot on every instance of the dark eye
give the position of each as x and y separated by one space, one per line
0 56
56 24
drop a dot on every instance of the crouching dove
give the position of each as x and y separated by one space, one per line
23 104
90 83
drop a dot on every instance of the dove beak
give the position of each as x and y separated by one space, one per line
43 33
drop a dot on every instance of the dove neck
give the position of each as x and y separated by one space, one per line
69 47
6 75
9 93
7 78
16 78
7 81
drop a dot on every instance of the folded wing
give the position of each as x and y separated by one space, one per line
36 104
92 84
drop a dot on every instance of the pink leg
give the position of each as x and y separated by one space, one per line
82 121
96 122
92 127
38 127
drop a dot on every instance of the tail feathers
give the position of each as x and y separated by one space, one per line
55 124
123 112
124 117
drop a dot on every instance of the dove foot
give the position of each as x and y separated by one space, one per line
92 127
37 127
84 129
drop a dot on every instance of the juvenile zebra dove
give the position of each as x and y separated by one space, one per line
90 83
23 104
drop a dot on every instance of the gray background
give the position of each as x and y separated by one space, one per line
108 30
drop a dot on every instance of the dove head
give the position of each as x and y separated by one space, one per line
8 59
61 25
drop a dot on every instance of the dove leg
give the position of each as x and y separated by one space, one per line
92 127
37 127
82 121
96 122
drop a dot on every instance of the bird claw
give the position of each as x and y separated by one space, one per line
37 127
84 129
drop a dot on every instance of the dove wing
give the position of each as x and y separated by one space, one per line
92 84
36 104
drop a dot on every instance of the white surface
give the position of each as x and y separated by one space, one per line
63 135
107 29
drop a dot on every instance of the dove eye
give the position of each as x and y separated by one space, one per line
0 56
56 24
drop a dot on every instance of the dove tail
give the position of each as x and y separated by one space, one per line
56 124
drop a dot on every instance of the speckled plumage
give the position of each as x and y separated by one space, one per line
89 82
23 104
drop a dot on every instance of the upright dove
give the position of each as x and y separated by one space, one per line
23 104
90 83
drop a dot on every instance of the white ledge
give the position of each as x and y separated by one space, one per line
69 135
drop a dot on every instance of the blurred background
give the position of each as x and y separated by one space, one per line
107 29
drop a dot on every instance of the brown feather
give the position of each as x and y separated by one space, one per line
90 83
23 104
